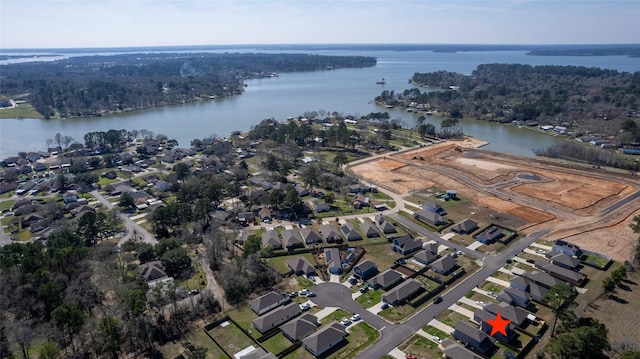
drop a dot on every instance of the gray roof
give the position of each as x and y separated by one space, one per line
542 278
330 233
151 271
310 236
298 264
425 257
365 266
565 260
291 238
559 272
507 311
350 232
271 238
429 216
369 229
469 332
266 301
407 244
301 327
453 350
276 317
444 264
319 341
466 226
332 257
386 278
402 291
258 353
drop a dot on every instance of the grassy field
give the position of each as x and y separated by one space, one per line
244 316
277 343
421 347
196 337
233 338
369 299
23 110
361 336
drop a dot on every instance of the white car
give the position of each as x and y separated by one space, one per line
304 306
345 322
437 339
355 317
479 302
303 292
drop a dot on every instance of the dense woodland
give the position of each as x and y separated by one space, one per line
95 85
583 99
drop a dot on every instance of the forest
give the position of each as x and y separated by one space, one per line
97 85
581 98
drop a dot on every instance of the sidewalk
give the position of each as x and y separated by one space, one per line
464 311
470 302
441 326
397 353
475 245
325 312
501 282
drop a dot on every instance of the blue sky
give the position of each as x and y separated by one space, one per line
110 23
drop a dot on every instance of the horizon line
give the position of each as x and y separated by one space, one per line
151 47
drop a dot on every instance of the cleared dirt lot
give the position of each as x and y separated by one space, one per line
569 201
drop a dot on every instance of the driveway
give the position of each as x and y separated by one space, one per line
336 294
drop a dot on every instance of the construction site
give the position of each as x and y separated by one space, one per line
591 207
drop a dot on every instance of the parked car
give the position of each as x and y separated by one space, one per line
311 294
293 294
437 339
364 289
303 292
384 305
355 317
345 321
304 306
437 300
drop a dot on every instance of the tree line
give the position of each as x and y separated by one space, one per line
97 85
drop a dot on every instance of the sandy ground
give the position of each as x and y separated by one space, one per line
542 194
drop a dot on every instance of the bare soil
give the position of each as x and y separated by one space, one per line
568 201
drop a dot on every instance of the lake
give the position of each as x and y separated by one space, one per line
347 91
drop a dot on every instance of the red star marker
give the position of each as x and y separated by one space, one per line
499 325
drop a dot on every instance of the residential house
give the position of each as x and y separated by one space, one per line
489 235
542 278
78 212
152 271
467 226
302 191
19 203
444 265
403 292
140 198
246 218
267 302
453 350
369 229
120 189
561 273
26 209
365 270
482 316
291 239
332 259
40 225
425 257
535 290
29 219
276 317
567 248
255 353
385 280
515 297
429 217
516 315
324 339
330 233
565 260
360 201
431 247
350 232
434 207
320 207
271 238
406 245
357 188
310 236
474 338
162 185
300 328
301 266
385 226
7 187
265 215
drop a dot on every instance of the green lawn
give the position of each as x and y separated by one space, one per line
277 343
6 204
421 347
361 336
198 280
23 110
233 338
435 331
244 316
369 299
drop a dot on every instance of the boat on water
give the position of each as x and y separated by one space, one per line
381 82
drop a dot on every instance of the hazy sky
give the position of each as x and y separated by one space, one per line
108 23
